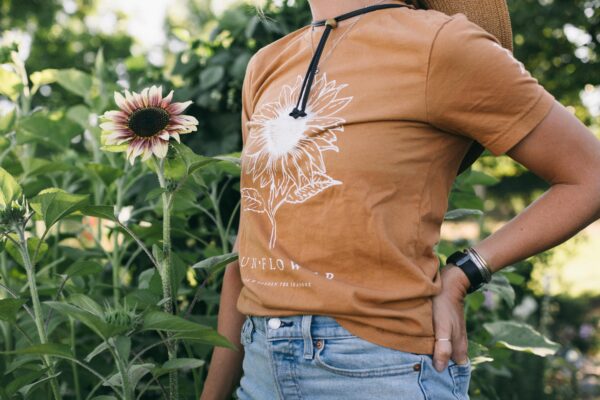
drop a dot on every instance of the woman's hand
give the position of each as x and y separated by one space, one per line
449 319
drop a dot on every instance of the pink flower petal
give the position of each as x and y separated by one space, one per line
160 147
164 135
144 96
178 108
111 126
122 103
176 136
167 100
155 96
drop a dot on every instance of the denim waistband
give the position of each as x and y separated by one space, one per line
307 327
298 326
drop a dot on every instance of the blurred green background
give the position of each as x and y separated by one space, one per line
201 49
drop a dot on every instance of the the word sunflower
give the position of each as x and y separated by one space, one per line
145 123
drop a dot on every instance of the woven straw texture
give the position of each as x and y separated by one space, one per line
491 15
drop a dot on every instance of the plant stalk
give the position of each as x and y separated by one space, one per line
37 308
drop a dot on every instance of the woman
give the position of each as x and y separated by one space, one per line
346 171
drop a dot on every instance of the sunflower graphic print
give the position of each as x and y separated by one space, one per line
284 155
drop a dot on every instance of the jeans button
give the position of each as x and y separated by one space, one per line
274 323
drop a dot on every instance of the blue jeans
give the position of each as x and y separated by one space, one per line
313 357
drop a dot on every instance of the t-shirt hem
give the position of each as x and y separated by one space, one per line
523 126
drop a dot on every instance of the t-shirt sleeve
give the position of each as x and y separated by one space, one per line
247 99
477 88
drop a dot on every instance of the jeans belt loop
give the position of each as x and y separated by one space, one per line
308 347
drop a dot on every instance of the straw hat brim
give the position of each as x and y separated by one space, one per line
491 15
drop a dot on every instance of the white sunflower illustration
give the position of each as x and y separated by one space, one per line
285 155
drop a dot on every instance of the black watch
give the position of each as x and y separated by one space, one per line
462 259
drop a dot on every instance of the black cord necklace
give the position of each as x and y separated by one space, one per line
330 24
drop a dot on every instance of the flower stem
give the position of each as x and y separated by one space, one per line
166 273
37 308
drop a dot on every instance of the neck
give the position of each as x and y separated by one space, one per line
323 9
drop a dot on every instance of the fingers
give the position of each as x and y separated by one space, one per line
460 345
442 348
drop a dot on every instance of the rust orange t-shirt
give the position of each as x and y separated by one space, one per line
341 209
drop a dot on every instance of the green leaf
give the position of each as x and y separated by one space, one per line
102 347
162 321
9 189
480 178
40 128
43 77
501 286
178 363
135 373
55 204
83 268
461 213
79 114
7 121
27 388
183 363
86 303
104 173
210 76
32 243
74 81
519 336
96 324
48 349
123 346
9 309
192 160
10 84
214 264
22 379
99 211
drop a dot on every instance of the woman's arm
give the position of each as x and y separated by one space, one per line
562 151
226 365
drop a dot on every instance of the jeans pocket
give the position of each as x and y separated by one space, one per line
461 376
246 332
357 357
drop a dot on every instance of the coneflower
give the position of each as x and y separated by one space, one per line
145 122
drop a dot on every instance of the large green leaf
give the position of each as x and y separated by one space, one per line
519 336
75 81
104 173
40 128
501 286
184 329
215 264
9 309
47 349
99 211
55 204
135 373
9 189
178 363
83 268
93 322
32 243
210 76
480 178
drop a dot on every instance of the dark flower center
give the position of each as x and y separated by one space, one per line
149 121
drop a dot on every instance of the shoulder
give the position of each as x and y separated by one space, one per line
271 51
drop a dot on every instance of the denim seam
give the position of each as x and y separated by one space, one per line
273 372
419 380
